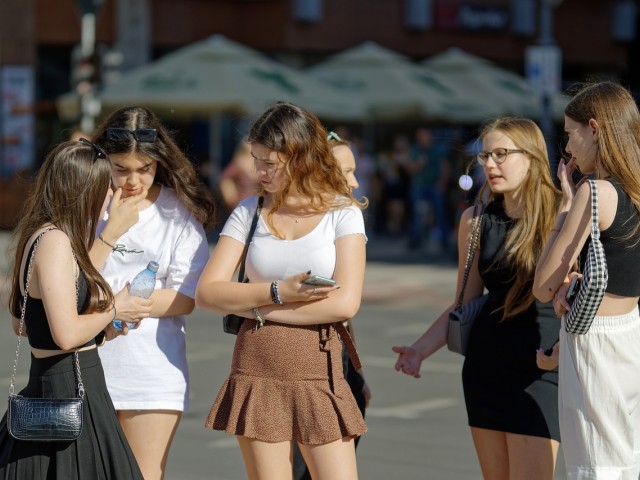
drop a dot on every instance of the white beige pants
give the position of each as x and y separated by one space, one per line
599 399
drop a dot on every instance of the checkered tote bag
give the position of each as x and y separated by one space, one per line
594 278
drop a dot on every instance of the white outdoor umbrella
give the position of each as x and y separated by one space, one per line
483 90
218 75
389 85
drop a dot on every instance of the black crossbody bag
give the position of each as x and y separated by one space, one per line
231 323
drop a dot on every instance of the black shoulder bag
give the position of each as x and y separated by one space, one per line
231 323
44 419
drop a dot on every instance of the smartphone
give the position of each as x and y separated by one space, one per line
319 281
573 289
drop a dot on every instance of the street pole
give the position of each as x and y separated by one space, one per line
88 48
544 65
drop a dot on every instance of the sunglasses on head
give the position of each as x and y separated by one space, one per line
143 135
99 152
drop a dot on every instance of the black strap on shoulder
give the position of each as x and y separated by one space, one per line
252 230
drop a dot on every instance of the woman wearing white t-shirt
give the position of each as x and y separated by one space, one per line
157 213
287 383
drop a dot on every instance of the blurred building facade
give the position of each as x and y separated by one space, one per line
598 39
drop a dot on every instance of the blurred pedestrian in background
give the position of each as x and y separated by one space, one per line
599 401
427 195
287 382
238 180
159 213
512 404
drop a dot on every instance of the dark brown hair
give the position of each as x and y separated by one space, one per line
174 168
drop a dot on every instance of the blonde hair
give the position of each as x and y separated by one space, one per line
525 241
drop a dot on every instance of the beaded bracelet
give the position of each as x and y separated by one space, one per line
275 295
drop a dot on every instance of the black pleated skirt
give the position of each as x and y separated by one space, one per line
101 451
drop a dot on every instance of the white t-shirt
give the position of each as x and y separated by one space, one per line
270 258
147 369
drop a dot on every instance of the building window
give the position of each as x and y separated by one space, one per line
309 11
523 17
623 27
418 14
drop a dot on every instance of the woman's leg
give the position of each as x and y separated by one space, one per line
492 451
531 458
331 461
150 433
264 460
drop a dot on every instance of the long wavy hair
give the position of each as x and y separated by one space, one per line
69 192
174 168
614 109
309 164
540 198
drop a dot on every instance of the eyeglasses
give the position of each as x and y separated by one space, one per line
499 155
333 136
143 135
100 153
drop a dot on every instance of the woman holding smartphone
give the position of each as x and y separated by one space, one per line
287 384
598 402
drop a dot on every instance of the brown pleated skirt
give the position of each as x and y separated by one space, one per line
287 383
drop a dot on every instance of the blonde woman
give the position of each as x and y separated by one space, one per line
511 402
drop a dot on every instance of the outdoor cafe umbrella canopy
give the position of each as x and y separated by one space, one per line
389 85
484 90
218 75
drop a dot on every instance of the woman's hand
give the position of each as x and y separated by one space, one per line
560 304
123 214
291 289
548 362
130 308
569 188
409 360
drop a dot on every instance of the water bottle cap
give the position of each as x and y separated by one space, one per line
153 266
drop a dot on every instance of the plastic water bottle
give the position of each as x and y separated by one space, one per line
142 285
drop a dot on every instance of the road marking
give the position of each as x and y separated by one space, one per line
411 411
427 365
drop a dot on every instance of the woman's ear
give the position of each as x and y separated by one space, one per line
595 129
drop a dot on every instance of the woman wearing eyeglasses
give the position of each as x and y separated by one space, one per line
158 212
69 308
510 383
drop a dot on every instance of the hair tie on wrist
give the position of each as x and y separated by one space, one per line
113 248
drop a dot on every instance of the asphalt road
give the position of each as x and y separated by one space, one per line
417 428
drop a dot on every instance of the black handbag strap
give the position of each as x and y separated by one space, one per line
472 244
76 361
252 230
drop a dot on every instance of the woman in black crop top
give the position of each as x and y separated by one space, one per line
599 407
511 400
69 306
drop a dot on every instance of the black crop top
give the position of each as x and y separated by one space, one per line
35 317
623 255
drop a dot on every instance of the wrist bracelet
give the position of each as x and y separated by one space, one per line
555 229
107 244
258 318
275 295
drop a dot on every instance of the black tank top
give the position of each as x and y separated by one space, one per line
622 254
35 316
